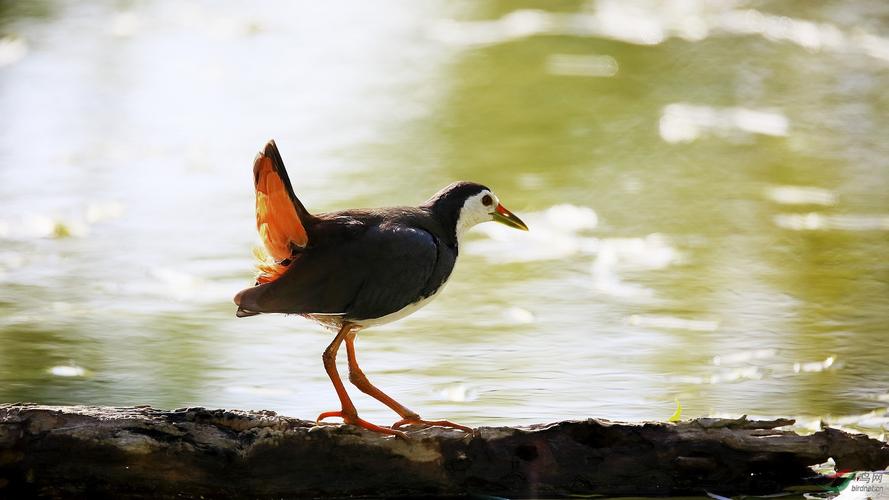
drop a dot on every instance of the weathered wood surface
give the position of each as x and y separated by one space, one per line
188 453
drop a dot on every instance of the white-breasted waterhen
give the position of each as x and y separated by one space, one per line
358 268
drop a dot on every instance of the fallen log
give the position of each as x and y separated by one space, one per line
141 452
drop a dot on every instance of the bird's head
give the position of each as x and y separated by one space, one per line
466 204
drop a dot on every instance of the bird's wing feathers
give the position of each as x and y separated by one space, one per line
280 217
377 273
397 273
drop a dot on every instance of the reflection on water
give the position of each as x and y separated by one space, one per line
705 182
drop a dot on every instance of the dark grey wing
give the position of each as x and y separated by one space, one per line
398 270
377 273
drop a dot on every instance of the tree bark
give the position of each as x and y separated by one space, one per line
141 452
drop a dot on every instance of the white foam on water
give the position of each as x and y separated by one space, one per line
555 233
519 316
684 122
124 24
616 255
726 376
572 218
673 323
12 50
648 22
100 211
818 222
67 371
515 25
257 390
743 356
183 286
814 366
75 223
801 195
653 251
594 65
458 393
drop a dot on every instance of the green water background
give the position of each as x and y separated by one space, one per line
707 185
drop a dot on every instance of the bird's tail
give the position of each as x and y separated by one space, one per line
267 268
281 218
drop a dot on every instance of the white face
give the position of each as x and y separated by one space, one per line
477 209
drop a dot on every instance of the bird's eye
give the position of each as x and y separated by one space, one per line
487 200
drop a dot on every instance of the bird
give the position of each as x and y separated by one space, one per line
353 269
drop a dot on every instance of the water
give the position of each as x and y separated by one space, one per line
706 185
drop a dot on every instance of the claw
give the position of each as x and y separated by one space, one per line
355 420
431 423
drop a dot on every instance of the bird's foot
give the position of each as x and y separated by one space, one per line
430 423
353 419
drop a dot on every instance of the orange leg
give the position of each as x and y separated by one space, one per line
408 417
348 413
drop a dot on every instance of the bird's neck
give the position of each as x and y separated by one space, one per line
447 224
463 224
454 221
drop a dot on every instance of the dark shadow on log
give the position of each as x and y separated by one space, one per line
188 453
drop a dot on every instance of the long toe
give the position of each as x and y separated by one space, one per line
329 414
360 422
376 428
431 423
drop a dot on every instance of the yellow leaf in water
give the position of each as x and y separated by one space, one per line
677 415
60 230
